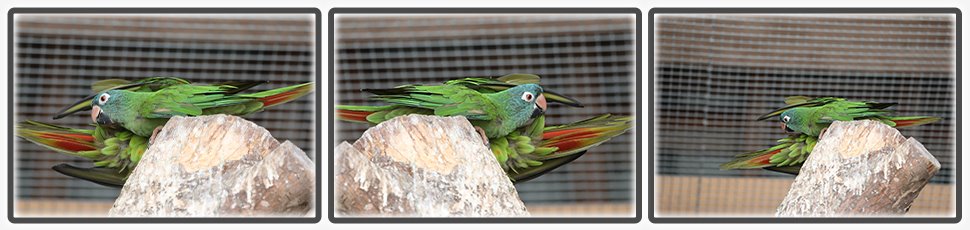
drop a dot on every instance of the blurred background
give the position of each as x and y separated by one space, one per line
589 57
59 56
715 74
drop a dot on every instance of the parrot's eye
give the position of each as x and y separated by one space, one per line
785 119
527 96
103 99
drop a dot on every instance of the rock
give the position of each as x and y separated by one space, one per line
424 166
860 168
215 166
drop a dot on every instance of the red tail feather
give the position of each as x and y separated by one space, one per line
570 132
284 96
765 159
570 139
70 142
353 115
912 122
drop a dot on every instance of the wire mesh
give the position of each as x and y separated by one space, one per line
58 57
716 73
590 58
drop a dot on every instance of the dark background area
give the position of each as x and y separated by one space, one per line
589 57
58 57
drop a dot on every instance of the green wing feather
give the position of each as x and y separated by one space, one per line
444 100
489 85
788 154
537 149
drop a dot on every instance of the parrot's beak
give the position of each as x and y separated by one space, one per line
95 111
541 102
540 106
785 127
98 117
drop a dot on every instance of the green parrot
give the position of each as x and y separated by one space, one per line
531 150
143 112
534 150
805 119
115 152
495 114
150 84
120 149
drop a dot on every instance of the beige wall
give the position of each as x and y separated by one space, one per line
739 196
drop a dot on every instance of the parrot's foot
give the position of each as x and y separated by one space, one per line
822 133
154 133
482 133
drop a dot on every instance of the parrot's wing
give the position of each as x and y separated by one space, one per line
445 100
791 151
523 175
793 170
180 101
488 85
554 146
799 101
107 84
581 135
792 100
103 176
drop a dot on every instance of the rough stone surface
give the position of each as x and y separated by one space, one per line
860 168
212 166
424 166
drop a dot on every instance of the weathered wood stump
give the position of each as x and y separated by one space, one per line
214 166
860 168
425 166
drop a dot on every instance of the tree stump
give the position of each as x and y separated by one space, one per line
860 168
425 166
215 166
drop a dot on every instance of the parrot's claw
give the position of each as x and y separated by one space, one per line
151 139
482 133
822 133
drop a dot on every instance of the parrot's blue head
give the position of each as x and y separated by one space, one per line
790 120
527 100
102 102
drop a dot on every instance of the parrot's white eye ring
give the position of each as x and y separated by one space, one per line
527 96
103 99
785 119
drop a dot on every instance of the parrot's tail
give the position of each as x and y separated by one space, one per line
565 143
357 113
753 160
77 142
582 135
103 176
913 121
282 95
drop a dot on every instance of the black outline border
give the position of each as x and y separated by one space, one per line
318 100
955 11
639 43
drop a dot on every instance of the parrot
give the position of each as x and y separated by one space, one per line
363 114
493 114
805 120
534 150
115 152
150 84
143 112
121 149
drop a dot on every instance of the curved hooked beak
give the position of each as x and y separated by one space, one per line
785 127
98 117
540 105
